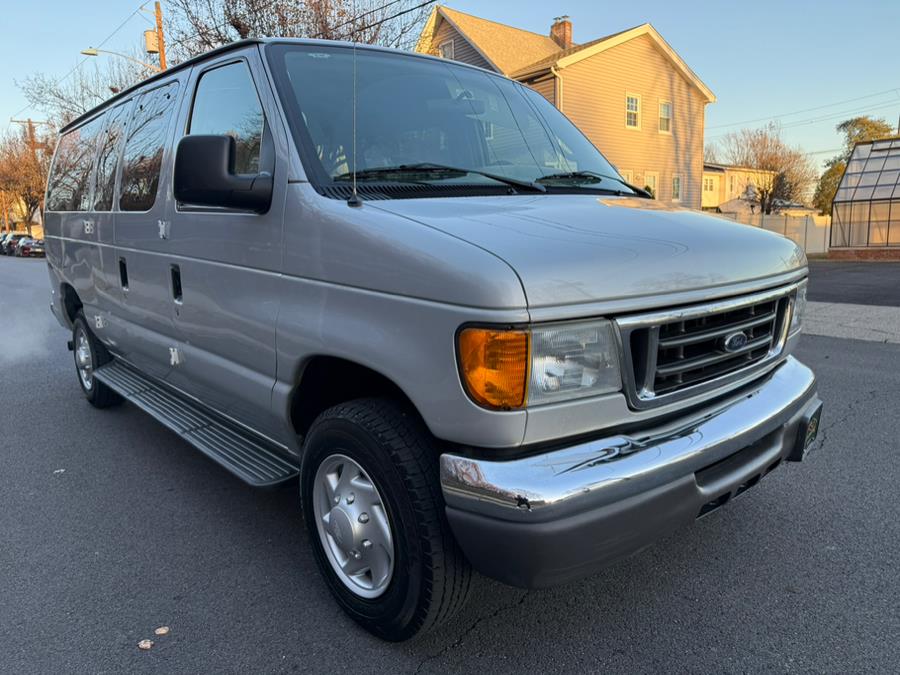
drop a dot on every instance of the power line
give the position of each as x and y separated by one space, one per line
805 110
81 63
824 152
829 116
320 34
398 14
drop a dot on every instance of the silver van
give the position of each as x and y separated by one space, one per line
418 287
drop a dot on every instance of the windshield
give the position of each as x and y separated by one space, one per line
414 111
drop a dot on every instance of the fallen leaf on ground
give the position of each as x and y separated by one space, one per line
145 644
162 630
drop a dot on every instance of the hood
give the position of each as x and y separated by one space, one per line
571 249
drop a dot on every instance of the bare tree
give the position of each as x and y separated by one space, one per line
63 100
710 153
785 173
24 165
196 26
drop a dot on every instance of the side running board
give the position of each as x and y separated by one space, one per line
251 458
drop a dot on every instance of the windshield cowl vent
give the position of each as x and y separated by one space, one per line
410 191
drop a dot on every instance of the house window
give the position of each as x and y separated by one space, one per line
632 111
445 49
651 182
707 184
488 130
627 175
733 186
665 117
676 187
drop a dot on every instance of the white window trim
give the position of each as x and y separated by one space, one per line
680 178
627 175
629 95
655 174
452 49
660 117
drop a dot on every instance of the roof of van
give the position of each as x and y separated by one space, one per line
227 48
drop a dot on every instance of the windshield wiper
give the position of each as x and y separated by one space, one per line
430 168
591 177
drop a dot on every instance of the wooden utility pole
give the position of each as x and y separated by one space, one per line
160 37
29 124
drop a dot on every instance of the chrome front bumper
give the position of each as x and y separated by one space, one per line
561 514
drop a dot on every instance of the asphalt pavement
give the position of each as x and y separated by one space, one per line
110 526
862 283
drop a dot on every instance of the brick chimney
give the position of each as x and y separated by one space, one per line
561 32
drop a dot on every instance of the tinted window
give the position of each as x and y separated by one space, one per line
226 103
142 157
107 156
70 180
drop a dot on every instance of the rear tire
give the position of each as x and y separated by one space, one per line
386 447
90 354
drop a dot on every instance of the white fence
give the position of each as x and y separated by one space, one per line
812 233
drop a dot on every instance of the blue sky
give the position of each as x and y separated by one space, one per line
762 59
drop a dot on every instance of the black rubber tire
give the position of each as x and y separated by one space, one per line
431 576
99 395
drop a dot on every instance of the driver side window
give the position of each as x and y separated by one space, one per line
226 103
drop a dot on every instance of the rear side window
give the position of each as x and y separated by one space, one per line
226 102
70 180
144 143
107 155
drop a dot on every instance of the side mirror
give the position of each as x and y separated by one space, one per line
204 175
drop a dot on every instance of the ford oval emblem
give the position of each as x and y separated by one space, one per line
734 342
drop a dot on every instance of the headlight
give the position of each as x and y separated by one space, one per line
573 361
798 311
507 369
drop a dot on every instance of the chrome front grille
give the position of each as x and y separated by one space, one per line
682 352
693 350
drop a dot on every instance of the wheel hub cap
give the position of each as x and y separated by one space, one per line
353 526
84 362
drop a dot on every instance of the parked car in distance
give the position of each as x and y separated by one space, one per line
30 248
12 241
24 241
416 285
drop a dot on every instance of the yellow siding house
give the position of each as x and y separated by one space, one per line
629 92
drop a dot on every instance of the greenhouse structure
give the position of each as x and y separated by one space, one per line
866 207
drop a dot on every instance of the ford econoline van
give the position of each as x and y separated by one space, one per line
418 287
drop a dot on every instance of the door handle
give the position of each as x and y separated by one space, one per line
176 284
123 274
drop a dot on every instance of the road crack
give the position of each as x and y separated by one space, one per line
851 409
456 643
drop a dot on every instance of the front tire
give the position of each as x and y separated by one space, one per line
90 354
375 514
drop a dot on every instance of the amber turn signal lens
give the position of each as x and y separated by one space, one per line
494 365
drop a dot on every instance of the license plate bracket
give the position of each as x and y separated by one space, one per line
807 433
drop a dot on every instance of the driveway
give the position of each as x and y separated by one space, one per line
862 283
112 526
855 300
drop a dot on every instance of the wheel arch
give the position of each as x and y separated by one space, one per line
326 381
71 303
